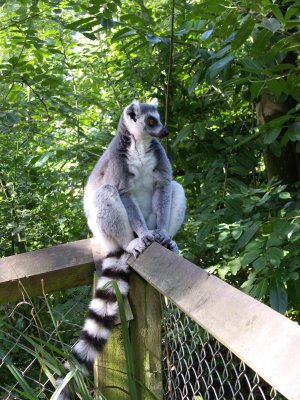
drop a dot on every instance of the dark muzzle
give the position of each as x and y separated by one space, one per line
164 132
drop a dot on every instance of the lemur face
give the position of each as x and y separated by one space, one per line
144 119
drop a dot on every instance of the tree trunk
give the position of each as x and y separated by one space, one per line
286 166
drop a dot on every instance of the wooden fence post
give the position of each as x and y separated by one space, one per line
145 333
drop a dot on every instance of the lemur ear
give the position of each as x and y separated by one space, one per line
133 109
154 102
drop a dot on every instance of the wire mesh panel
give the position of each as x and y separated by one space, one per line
198 367
195 365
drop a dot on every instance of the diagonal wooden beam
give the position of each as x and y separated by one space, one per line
265 340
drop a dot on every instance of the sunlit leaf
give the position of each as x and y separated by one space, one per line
43 159
152 38
235 266
272 24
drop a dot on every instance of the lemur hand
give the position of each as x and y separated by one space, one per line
138 245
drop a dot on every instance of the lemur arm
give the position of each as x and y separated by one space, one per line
135 216
161 204
162 196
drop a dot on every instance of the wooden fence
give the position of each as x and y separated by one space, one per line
265 340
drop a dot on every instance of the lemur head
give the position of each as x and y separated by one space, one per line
143 119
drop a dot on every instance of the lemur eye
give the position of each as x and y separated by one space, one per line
152 121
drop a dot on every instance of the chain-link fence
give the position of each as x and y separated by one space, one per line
198 367
195 365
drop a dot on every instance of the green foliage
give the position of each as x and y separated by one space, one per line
49 350
42 327
67 70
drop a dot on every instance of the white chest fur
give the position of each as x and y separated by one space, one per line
141 163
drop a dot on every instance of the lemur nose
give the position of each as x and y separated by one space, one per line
165 131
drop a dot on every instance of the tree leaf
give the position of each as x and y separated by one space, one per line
43 159
261 40
260 289
277 86
204 231
249 257
221 52
122 33
242 34
285 195
194 81
206 34
259 264
183 133
256 89
237 232
272 135
248 235
278 297
77 24
89 35
234 265
276 148
292 10
277 12
200 130
107 23
152 38
272 24
293 132
217 67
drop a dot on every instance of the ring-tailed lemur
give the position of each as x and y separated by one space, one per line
130 201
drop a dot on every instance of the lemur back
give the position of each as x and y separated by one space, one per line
130 201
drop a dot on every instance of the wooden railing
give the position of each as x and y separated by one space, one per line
265 340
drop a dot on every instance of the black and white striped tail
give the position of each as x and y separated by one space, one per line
102 310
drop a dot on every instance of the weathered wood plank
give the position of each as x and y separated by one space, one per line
110 372
145 334
61 267
265 340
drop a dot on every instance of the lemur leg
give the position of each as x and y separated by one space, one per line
178 206
108 220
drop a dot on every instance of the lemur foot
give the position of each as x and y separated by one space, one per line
169 244
163 238
172 246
